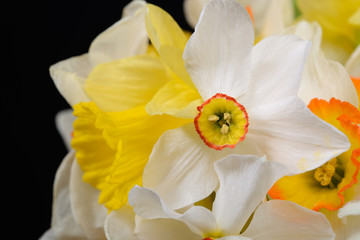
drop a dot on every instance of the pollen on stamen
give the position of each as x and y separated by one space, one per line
221 122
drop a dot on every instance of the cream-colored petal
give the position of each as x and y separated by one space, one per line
322 78
84 203
64 123
69 77
353 63
120 224
192 11
63 223
125 38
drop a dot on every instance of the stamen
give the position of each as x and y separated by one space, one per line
324 174
224 129
213 118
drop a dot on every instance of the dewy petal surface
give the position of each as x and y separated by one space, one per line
277 63
289 133
278 220
218 54
253 177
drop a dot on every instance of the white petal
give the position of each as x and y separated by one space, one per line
84 199
351 227
288 132
353 63
69 78
63 224
120 224
200 220
180 168
244 182
217 56
234 238
64 123
148 204
322 78
350 208
277 63
192 11
127 37
157 229
284 220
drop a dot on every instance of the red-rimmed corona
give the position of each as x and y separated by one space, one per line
221 122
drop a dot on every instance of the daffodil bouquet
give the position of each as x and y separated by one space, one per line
245 128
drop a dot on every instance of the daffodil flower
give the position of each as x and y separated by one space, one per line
244 181
249 105
334 185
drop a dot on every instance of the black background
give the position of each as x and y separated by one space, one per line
42 36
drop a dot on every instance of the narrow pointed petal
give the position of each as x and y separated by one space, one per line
253 176
277 220
218 54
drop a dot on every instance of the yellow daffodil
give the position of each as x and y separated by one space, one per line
340 20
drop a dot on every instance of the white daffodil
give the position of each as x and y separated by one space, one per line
249 106
127 37
244 181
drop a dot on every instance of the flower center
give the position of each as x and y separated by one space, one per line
329 174
221 122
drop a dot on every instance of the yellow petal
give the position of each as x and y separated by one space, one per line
177 99
355 18
126 83
168 39
113 147
90 145
333 16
